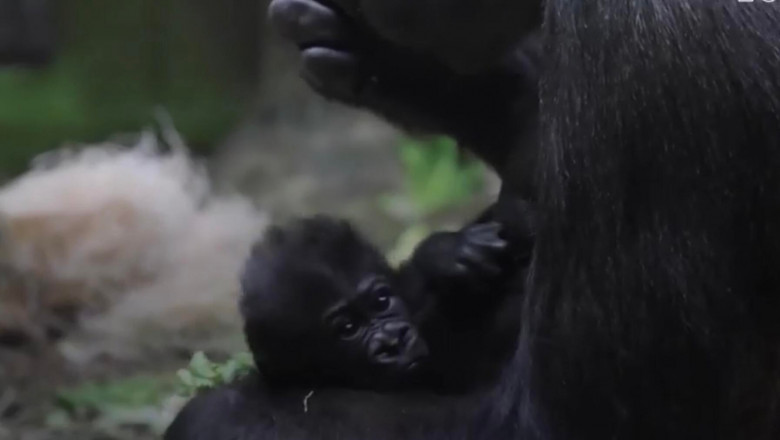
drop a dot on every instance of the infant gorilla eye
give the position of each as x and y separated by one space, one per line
345 327
381 300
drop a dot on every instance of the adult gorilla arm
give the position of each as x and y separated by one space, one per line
249 410
489 109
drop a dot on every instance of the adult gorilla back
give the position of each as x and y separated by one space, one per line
652 305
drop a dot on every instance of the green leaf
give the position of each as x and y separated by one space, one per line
406 242
244 359
204 374
228 371
201 366
436 175
186 377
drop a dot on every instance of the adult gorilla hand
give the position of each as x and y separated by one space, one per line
402 61
327 44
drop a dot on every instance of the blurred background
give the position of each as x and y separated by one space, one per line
144 145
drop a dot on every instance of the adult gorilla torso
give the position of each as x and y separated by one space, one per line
651 309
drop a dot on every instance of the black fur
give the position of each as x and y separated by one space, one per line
247 411
652 308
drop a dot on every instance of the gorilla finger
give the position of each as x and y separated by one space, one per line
487 236
459 270
307 22
489 269
477 261
331 72
489 242
486 227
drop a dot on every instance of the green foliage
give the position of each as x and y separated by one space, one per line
109 406
202 373
437 175
118 61
130 392
406 242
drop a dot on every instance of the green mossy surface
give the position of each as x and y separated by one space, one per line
116 63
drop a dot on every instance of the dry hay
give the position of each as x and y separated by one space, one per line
126 243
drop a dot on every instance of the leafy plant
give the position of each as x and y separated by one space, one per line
406 242
202 373
131 392
112 406
436 177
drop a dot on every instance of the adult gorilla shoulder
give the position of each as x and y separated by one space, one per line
651 309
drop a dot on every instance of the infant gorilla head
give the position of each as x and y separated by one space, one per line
320 309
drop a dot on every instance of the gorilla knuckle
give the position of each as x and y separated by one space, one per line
305 21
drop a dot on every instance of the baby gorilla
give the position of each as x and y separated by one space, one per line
319 309
347 348
322 307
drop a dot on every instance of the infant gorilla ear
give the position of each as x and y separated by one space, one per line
321 308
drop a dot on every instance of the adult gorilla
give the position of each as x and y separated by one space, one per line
652 308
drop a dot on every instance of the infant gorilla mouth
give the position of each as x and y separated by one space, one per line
398 344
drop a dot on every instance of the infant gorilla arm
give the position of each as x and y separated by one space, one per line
466 290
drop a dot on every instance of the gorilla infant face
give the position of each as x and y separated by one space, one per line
467 35
320 308
372 331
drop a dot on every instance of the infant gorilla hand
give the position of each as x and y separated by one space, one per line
477 253
472 260
479 259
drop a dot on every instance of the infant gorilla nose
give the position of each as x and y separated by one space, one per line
397 344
